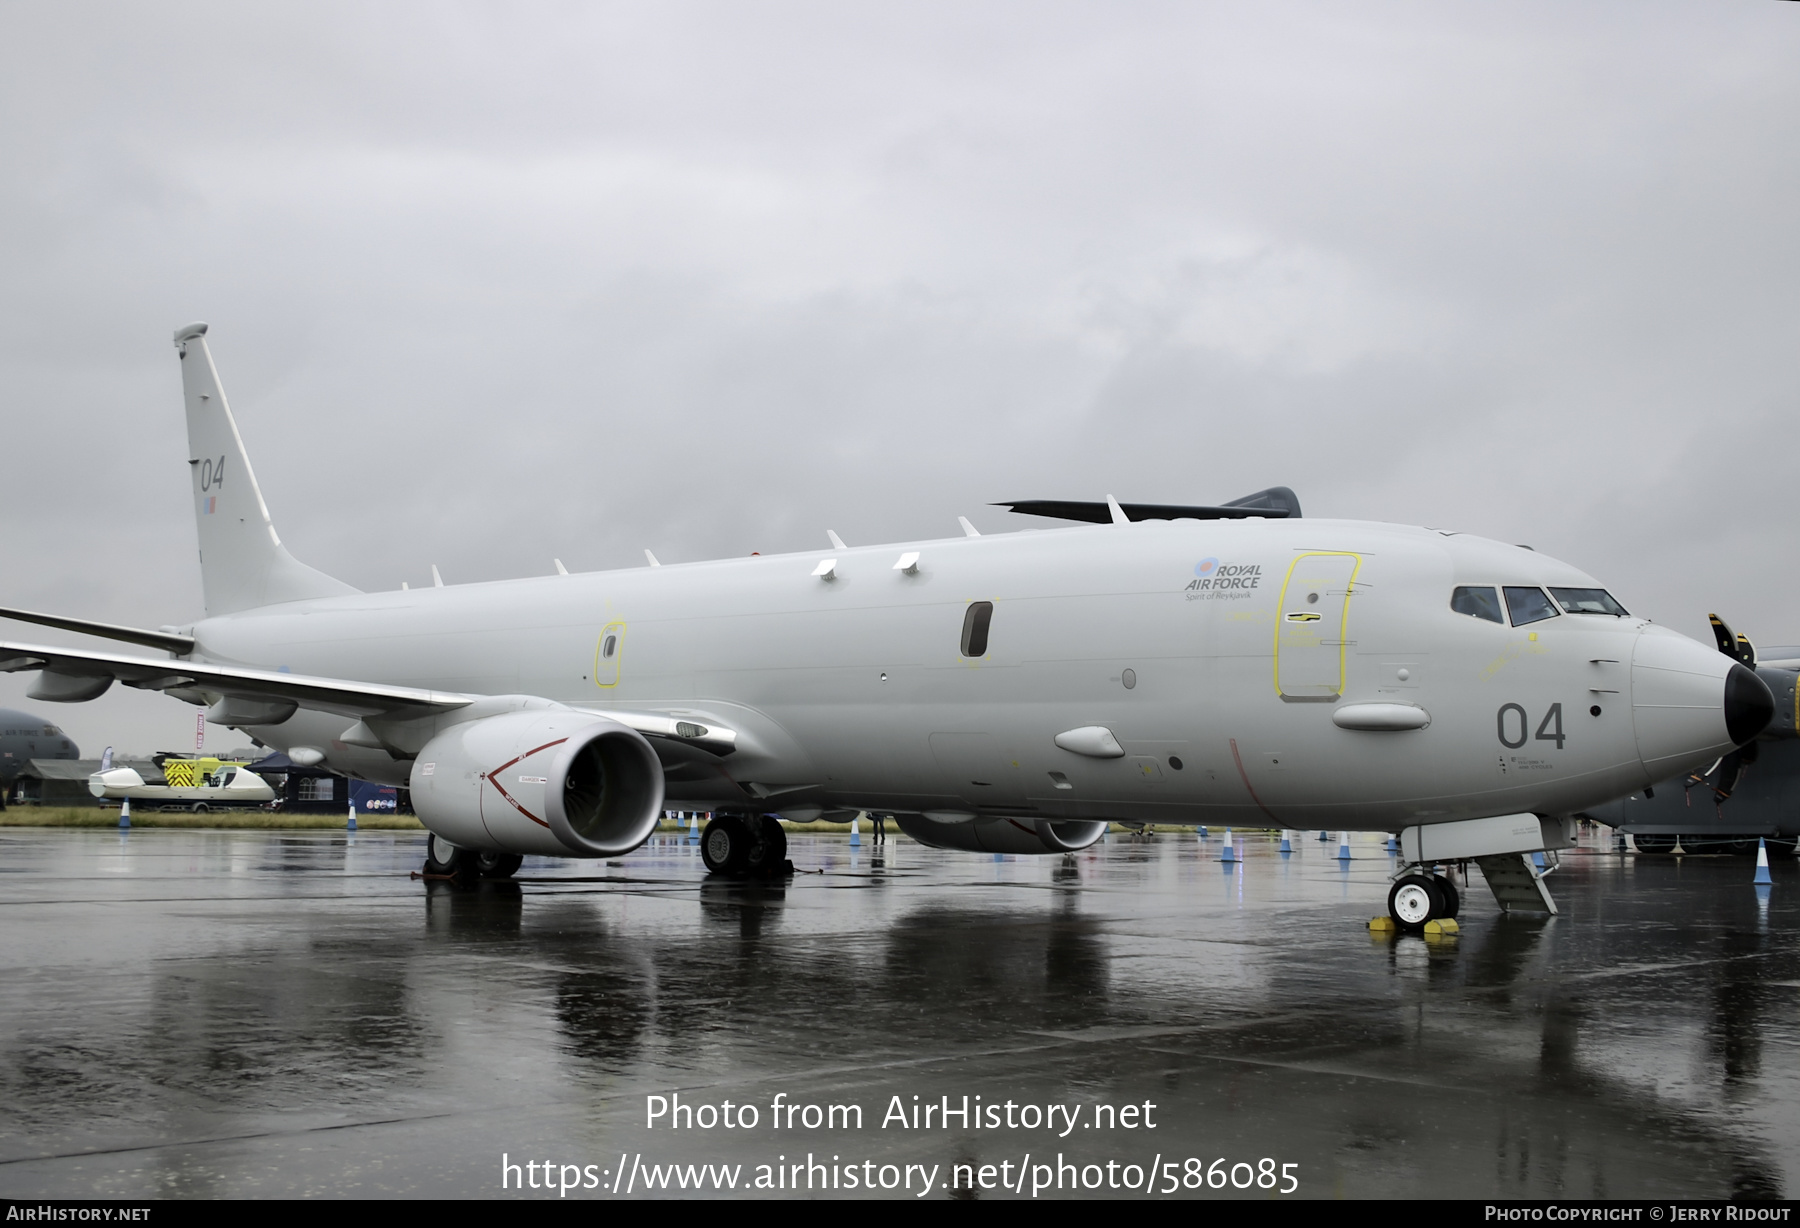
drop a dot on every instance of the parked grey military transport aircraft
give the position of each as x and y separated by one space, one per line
1003 693
24 737
1751 794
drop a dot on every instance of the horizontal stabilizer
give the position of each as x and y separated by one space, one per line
1275 503
180 645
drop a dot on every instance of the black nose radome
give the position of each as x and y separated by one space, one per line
1748 704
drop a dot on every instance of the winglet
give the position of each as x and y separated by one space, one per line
969 530
1118 513
651 558
837 543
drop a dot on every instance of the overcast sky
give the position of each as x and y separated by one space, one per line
492 284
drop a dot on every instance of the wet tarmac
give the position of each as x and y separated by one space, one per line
247 1014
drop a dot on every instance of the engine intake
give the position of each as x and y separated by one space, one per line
550 781
987 834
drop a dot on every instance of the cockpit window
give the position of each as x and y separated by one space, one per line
1478 603
1587 601
1528 605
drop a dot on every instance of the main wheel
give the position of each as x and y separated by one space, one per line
1414 900
725 844
498 865
1658 842
442 857
1449 894
768 855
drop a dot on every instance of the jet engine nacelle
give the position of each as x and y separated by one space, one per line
552 781
1001 835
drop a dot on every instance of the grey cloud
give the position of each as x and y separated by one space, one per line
492 284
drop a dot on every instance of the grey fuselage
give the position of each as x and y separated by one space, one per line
852 692
24 737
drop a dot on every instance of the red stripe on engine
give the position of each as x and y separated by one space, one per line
493 779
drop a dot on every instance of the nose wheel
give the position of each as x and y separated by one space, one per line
1418 898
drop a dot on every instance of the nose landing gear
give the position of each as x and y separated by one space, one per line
1416 899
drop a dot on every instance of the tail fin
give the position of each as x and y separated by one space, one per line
242 562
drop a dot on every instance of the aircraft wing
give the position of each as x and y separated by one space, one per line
185 679
80 674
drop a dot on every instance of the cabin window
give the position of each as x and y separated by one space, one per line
1477 603
1587 601
609 648
975 629
1528 605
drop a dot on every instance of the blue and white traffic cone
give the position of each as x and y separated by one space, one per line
1202 831
1344 848
1762 864
351 825
125 814
1537 862
856 831
1393 844
1229 852
1324 837
1287 847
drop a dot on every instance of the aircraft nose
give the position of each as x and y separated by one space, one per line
1749 704
1690 703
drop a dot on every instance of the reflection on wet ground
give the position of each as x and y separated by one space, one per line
254 1014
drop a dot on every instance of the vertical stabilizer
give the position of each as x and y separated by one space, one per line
242 562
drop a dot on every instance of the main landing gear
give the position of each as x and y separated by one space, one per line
745 846
1416 899
445 860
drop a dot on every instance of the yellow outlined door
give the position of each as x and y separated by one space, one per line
1312 629
608 653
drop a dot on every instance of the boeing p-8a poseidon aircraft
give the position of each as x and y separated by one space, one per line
1006 693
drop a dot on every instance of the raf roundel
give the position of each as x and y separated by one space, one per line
1205 567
